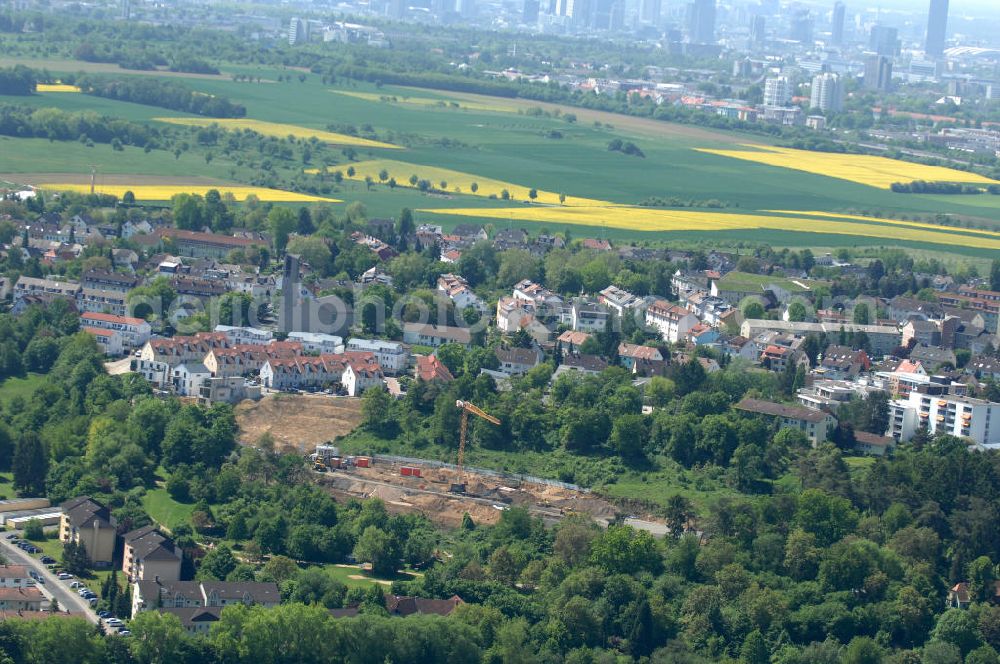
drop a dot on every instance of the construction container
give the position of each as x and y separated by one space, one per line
409 471
363 462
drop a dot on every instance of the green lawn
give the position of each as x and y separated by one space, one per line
345 574
7 486
165 510
20 387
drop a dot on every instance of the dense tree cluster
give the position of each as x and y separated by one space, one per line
162 93
18 81
58 125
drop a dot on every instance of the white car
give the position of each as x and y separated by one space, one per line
75 584
63 576
113 622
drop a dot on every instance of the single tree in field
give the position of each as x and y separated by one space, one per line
533 194
383 175
562 199
413 180
474 187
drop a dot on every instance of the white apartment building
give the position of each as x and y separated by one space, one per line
109 341
932 406
134 332
245 335
390 355
589 317
777 91
317 342
457 289
672 321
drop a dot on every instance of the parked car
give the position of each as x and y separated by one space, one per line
12 536
104 614
63 576
124 632
113 622
48 560
75 584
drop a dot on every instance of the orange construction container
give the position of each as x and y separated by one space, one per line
363 462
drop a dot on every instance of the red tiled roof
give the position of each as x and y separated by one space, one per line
429 368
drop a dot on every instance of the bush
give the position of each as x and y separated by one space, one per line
33 531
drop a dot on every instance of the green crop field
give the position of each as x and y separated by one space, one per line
513 142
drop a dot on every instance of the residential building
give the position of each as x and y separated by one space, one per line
195 619
28 598
514 314
197 244
457 289
933 357
921 332
873 444
134 332
630 354
619 300
359 376
109 341
232 390
317 342
392 356
156 373
570 341
828 394
14 576
305 372
816 424
429 368
156 595
245 335
827 93
673 322
843 362
428 334
109 281
31 286
89 523
936 407
101 301
247 359
589 316
777 91
187 378
882 338
517 361
585 364
148 555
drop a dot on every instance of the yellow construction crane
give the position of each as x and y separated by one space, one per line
467 408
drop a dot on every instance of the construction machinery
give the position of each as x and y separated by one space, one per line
466 408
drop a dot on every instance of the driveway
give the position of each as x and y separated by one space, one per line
53 587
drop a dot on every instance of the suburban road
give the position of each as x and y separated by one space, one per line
53 587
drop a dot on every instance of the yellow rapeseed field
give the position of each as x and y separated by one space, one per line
280 130
55 87
869 170
892 222
457 181
428 101
655 219
149 192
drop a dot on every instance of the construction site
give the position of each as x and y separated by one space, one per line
406 486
